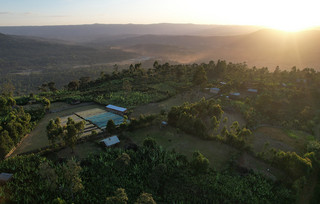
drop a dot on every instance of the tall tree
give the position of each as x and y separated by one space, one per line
111 127
200 77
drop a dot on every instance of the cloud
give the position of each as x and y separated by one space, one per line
5 13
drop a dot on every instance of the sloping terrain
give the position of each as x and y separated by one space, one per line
17 53
262 48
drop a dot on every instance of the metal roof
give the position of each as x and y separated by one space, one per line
214 90
117 108
235 94
253 90
5 176
110 141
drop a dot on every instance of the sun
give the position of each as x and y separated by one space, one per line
291 16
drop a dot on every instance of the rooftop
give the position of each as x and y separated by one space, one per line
116 108
5 176
110 141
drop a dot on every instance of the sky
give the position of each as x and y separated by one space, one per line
280 14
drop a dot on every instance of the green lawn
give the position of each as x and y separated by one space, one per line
218 154
265 138
80 150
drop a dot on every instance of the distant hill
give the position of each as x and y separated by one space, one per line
261 48
18 53
86 33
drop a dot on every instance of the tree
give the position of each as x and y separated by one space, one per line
7 89
73 85
126 86
49 174
54 130
46 102
199 163
72 132
145 198
215 123
52 87
200 77
149 142
111 127
120 197
72 182
123 161
6 143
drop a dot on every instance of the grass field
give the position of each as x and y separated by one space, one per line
81 151
218 154
179 99
286 140
38 137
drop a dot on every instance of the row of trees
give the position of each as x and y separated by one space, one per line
68 133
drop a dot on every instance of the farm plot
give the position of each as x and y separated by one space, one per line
38 137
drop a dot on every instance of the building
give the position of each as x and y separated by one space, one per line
223 83
110 141
234 95
5 177
253 90
214 90
116 109
163 124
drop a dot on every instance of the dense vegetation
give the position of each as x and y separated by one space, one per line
14 124
167 176
289 100
27 63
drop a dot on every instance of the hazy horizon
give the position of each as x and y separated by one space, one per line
284 15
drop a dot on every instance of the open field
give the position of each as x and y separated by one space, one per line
280 139
38 137
179 99
248 161
81 151
218 154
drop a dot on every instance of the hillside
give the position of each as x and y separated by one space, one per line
262 48
18 53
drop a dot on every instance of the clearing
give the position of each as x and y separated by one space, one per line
38 137
219 154
179 99
268 137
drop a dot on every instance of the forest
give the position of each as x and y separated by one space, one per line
150 173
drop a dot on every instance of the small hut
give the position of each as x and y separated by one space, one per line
214 90
110 141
